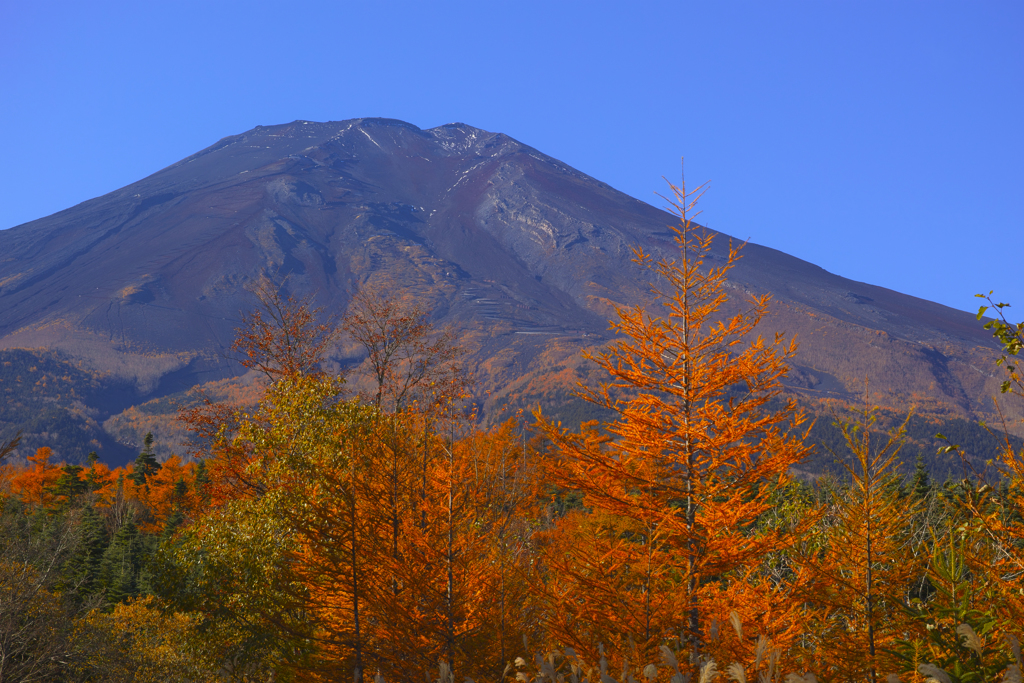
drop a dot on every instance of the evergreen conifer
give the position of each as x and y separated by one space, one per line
921 484
69 485
176 517
202 482
121 564
146 464
82 570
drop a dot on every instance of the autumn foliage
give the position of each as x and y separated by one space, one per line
672 485
369 526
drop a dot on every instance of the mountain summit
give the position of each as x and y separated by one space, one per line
527 256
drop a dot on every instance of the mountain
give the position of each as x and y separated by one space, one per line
139 291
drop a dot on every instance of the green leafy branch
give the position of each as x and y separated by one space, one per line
1010 336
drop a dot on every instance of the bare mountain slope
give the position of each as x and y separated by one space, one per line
526 255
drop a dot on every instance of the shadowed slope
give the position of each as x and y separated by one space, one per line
524 254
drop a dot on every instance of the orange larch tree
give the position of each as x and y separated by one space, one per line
673 484
35 484
409 363
861 579
167 494
463 561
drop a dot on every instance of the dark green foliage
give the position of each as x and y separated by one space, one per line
202 482
55 567
176 517
563 501
921 484
69 484
70 541
174 520
81 575
145 464
13 522
180 491
90 481
122 564
955 602
37 619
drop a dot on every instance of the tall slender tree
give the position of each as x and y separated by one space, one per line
673 484
146 464
864 574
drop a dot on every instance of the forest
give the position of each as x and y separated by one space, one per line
327 533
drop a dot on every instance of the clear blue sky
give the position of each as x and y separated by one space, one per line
883 141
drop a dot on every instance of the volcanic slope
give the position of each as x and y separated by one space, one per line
526 256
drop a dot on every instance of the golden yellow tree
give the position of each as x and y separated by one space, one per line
672 486
864 573
367 536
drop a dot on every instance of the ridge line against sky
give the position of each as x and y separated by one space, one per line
879 140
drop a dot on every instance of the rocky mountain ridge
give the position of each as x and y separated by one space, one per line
526 256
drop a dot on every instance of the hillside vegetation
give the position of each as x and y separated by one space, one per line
375 528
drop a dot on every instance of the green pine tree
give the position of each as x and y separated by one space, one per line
122 561
177 516
146 464
202 482
69 484
82 569
179 492
90 476
921 484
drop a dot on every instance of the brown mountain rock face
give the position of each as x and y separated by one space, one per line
525 255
